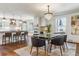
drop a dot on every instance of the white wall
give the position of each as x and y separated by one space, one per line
68 27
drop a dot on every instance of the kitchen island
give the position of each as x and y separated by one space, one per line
3 31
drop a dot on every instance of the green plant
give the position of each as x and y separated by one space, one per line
49 28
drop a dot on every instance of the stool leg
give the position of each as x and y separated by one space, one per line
18 40
9 40
3 41
21 38
14 39
24 39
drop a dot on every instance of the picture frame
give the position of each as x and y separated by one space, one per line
75 25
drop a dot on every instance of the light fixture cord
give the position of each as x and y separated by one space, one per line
48 8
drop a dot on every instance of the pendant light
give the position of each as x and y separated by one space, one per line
48 15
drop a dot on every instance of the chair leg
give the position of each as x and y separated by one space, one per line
54 47
31 50
50 47
37 51
66 45
45 50
61 50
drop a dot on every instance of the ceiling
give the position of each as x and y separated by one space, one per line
36 8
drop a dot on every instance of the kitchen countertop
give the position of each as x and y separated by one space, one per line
3 31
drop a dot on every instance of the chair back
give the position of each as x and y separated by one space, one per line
8 34
58 40
37 42
25 33
18 33
65 38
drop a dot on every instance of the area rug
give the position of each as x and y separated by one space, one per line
25 51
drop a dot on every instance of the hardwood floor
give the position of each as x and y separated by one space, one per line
7 50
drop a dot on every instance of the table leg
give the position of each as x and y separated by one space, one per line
47 47
77 50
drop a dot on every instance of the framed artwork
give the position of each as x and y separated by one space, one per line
75 25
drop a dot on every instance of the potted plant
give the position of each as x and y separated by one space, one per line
48 29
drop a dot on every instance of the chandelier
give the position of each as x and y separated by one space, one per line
12 22
48 15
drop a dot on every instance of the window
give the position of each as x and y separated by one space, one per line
27 23
61 24
30 25
0 23
4 23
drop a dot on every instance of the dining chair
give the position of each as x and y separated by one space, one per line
57 41
5 36
38 42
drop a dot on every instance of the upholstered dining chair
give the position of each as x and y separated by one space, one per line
57 41
37 42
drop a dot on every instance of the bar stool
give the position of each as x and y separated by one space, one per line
5 36
16 37
23 36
